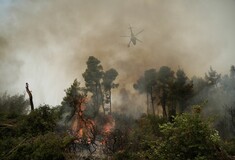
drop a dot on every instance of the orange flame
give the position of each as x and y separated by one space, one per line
80 126
110 124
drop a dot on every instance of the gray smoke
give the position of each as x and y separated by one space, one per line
49 42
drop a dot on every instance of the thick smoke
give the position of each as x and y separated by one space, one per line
49 42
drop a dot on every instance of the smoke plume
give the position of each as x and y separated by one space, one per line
47 43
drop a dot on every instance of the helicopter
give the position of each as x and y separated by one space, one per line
133 37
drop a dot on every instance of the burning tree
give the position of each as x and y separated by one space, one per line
86 127
83 129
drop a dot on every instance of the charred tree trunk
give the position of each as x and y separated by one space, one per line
30 96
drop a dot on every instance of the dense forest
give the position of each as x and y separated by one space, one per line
184 119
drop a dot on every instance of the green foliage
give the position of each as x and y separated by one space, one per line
140 85
93 76
124 155
47 146
123 122
145 83
212 77
150 124
93 73
232 71
165 75
143 139
109 76
9 126
183 89
108 84
172 91
199 84
13 105
39 121
32 136
146 136
7 144
73 94
229 146
165 80
150 79
189 137
99 83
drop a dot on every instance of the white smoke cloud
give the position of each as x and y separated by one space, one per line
49 42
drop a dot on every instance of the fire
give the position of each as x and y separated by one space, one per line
82 127
85 130
110 124
80 133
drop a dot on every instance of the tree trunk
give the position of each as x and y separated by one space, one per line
102 98
182 106
96 98
152 101
110 104
147 102
163 102
164 109
30 96
172 111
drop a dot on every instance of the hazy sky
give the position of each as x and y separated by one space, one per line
47 43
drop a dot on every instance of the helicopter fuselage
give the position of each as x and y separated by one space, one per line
133 38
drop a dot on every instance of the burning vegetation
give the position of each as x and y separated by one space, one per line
85 125
136 103
88 126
